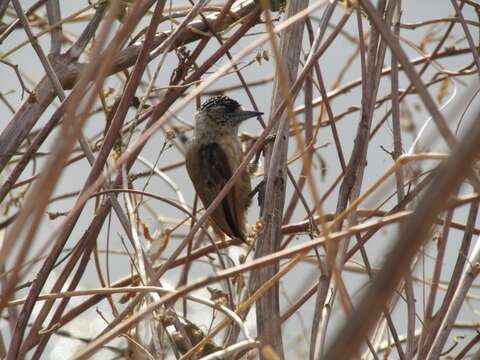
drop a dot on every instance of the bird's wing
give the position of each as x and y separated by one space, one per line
209 169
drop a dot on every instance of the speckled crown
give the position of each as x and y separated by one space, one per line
222 100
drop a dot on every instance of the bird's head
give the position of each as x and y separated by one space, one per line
222 111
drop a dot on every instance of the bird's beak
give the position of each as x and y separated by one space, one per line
244 115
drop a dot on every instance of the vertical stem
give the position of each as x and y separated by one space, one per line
268 306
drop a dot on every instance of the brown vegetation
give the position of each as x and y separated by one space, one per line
390 173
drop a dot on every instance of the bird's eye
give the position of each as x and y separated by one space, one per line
218 114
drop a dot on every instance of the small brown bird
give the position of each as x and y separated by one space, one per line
213 155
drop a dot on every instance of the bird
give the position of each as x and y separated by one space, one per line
213 154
